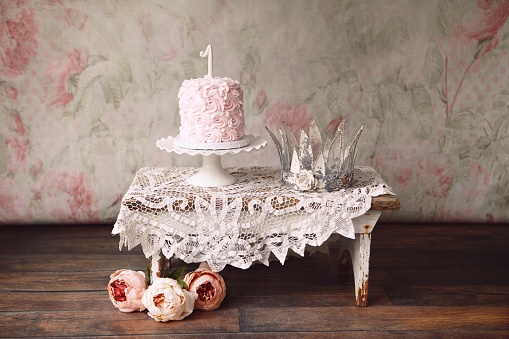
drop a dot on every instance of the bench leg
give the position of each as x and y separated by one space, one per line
359 249
158 265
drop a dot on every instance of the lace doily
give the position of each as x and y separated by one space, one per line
237 224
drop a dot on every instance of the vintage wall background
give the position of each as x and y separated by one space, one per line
87 87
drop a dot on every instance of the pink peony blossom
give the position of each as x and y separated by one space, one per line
165 300
126 288
209 286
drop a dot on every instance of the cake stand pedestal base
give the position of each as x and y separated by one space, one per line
212 173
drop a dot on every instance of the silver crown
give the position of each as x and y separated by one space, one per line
311 165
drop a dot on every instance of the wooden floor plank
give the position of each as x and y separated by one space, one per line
477 275
340 334
112 322
455 295
50 301
49 262
408 318
54 281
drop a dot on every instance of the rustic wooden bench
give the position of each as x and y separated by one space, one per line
161 209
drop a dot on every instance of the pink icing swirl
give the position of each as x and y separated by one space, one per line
229 134
220 121
212 136
235 121
232 104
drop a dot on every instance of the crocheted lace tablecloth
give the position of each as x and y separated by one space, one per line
238 224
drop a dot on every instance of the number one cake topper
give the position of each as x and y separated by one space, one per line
208 52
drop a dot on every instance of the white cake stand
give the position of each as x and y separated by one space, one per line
212 173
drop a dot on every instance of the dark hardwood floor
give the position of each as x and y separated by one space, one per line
437 281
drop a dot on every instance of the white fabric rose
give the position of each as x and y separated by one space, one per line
166 300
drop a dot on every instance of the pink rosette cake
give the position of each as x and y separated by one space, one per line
211 111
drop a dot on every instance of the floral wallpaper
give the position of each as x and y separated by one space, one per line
88 86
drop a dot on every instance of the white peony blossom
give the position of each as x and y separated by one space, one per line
166 300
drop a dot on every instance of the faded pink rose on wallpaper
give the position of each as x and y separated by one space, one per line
61 73
17 143
88 86
296 116
18 32
67 195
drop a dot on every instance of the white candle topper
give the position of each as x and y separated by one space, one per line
208 52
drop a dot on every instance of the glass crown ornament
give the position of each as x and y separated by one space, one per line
313 165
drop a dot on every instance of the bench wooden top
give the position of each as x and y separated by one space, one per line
385 202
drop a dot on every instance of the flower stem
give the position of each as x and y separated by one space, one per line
459 86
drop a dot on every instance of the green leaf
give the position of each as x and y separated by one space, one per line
334 100
421 102
400 99
95 59
125 72
481 45
182 283
433 66
502 127
464 134
87 156
63 157
379 102
177 273
112 91
91 102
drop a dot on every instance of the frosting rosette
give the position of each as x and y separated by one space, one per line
220 121
229 134
214 104
211 110
211 135
232 104
235 121
165 300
